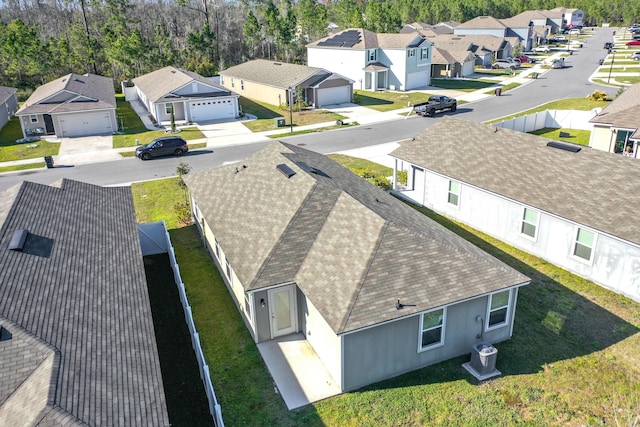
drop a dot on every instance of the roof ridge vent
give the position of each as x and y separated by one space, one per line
566 147
285 170
18 239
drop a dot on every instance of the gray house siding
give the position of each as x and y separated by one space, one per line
8 109
367 360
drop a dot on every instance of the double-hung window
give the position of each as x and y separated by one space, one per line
498 309
424 53
217 245
373 55
233 82
411 53
33 118
228 269
241 84
583 246
432 329
168 108
530 223
454 193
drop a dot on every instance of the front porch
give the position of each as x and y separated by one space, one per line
299 374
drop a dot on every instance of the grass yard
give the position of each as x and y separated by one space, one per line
304 132
573 359
577 136
9 150
463 85
135 130
505 88
388 101
267 113
27 166
561 104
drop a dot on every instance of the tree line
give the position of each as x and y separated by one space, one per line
43 39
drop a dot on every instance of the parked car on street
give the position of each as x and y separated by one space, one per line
558 63
608 45
435 103
574 31
635 55
542 48
633 43
165 146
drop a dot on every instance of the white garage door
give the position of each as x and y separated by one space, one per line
212 110
416 80
468 68
334 95
84 124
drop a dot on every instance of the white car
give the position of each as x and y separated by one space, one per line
558 63
574 31
542 48
503 63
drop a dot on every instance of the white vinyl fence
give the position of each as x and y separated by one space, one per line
569 119
155 239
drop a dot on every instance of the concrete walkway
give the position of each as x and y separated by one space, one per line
220 134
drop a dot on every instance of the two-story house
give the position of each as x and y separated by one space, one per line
375 61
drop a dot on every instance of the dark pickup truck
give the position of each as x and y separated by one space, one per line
435 103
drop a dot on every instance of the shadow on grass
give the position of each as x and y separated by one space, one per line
461 85
187 402
552 323
366 101
258 110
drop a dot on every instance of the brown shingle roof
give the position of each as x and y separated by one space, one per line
350 247
273 73
6 93
482 22
94 93
623 112
521 167
371 40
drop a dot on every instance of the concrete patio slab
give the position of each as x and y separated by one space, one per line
300 376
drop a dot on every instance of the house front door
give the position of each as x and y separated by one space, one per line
48 124
283 311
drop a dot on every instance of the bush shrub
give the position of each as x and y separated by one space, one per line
402 177
597 95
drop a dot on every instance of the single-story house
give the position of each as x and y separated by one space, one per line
547 198
376 288
8 104
73 105
191 97
616 128
452 63
279 83
375 61
77 341
484 47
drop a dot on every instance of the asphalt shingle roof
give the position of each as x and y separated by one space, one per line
623 112
370 40
482 22
273 73
350 247
6 93
522 167
158 84
85 93
80 287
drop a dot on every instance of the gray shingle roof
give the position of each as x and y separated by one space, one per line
160 83
371 40
6 93
623 112
95 92
273 73
465 41
521 167
80 287
350 247
482 22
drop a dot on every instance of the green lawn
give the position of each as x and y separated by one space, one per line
267 113
505 88
388 101
577 136
136 132
573 359
561 104
26 166
155 200
463 85
9 150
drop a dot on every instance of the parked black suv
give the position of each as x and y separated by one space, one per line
164 146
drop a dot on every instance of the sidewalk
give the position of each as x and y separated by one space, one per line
220 134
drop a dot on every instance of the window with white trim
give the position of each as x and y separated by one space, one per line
247 303
168 108
454 193
217 245
424 53
33 118
373 54
530 220
233 82
241 84
221 79
411 53
583 246
432 329
498 314
228 268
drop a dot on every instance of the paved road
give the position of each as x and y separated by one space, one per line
570 82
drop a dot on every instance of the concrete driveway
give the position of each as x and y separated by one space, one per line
362 115
223 133
86 149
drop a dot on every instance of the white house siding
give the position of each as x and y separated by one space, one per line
615 264
346 62
398 71
601 138
390 349
324 341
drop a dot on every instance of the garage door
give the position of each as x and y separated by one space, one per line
84 124
334 95
468 69
202 111
416 80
